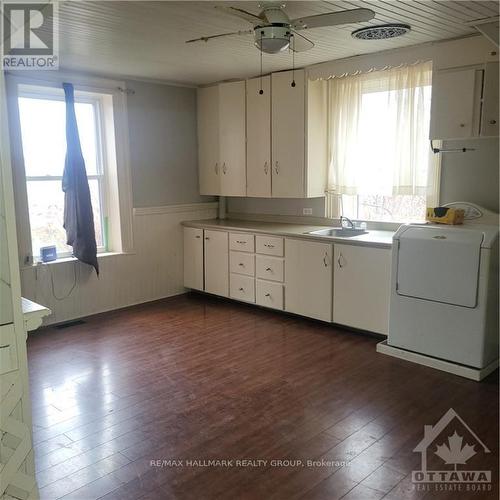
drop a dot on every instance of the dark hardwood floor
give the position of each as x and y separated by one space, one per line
197 378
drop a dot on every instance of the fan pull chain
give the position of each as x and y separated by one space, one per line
293 62
261 91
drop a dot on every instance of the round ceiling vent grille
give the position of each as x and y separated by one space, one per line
382 32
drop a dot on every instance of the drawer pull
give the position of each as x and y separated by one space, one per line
268 245
241 289
241 242
268 294
241 264
198 236
207 238
493 122
269 270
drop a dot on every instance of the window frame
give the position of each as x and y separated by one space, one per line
114 118
53 94
334 202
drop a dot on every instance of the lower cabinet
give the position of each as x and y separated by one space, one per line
193 258
362 287
339 283
308 278
216 262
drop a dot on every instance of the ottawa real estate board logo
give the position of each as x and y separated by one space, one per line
452 457
29 36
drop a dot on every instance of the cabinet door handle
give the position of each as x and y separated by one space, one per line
224 168
325 261
493 122
216 168
241 289
268 295
266 167
241 264
277 167
339 261
207 238
462 125
198 236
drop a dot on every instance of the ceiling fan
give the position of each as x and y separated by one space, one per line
274 31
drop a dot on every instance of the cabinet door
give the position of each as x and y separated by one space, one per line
193 258
217 263
361 287
208 140
232 125
308 278
288 134
489 118
455 103
259 137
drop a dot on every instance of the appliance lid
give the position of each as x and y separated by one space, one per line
440 264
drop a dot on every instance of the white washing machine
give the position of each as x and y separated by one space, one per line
444 289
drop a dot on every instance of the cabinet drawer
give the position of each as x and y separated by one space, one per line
242 263
241 242
270 245
269 294
242 287
269 268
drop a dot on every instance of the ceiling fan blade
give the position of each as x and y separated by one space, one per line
333 19
207 38
299 43
241 13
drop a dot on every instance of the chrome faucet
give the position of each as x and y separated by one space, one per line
349 222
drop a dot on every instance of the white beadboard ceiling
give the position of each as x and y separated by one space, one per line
142 39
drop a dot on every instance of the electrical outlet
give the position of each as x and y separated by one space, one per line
307 211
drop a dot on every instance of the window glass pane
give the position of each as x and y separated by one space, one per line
43 123
46 212
401 208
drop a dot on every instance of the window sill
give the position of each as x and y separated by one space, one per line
64 260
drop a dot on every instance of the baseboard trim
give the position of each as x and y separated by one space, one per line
173 209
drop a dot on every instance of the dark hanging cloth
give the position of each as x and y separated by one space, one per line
78 215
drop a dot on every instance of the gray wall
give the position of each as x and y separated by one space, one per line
163 144
471 176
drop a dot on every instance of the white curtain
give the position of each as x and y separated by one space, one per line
379 133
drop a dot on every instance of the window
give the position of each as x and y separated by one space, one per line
381 165
42 121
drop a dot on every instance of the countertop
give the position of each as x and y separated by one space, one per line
374 238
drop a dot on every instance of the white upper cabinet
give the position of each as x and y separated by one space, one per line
299 135
465 102
232 125
288 134
272 144
208 140
259 137
489 115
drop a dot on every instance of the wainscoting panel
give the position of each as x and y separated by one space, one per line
153 271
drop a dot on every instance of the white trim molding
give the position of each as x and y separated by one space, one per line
174 209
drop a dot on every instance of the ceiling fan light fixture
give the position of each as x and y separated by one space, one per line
272 39
381 32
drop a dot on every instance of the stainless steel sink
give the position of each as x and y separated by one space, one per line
344 232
